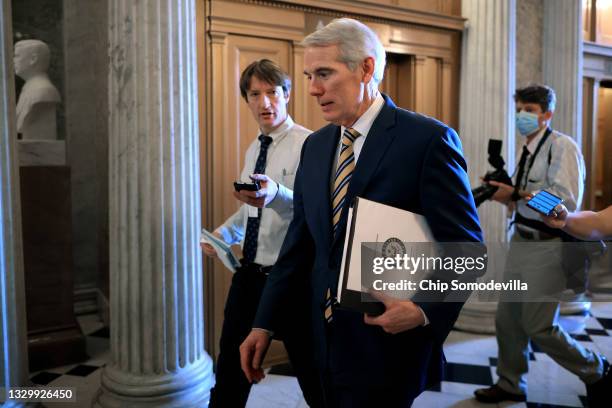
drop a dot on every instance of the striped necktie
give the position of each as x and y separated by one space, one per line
344 172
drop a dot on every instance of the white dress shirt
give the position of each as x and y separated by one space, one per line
563 177
282 162
363 126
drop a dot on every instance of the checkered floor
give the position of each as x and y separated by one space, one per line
471 364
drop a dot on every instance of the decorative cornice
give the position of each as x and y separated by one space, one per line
377 13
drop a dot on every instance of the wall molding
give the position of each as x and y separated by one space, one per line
367 11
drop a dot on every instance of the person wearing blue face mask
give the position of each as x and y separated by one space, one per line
548 161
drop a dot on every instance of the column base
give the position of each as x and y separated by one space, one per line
188 387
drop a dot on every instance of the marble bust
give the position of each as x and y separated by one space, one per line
38 100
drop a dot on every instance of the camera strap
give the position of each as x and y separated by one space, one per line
519 183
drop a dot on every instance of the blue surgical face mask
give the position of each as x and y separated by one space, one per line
527 123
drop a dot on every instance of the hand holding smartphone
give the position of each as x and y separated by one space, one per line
544 202
238 185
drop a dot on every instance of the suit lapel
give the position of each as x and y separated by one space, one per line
321 182
376 144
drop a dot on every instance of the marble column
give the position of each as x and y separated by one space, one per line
562 63
13 340
157 321
487 111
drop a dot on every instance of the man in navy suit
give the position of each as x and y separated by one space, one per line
371 149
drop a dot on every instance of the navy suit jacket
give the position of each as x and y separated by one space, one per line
408 161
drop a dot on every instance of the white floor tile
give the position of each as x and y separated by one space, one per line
553 398
90 323
602 309
430 399
459 388
276 391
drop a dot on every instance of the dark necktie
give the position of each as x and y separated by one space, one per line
249 250
521 169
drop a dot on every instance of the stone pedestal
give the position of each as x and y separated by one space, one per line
42 152
54 336
156 295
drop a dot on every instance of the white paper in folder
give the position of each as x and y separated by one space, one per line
370 221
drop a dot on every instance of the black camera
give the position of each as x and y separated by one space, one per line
486 191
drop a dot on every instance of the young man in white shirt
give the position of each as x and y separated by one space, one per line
260 225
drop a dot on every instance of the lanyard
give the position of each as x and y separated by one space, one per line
532 158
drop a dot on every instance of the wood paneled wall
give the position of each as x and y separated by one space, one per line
423 46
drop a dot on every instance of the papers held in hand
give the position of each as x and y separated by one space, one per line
369 221
223 250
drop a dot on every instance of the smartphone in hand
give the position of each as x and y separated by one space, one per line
238 185
544 202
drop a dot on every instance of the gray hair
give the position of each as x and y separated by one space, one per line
355 42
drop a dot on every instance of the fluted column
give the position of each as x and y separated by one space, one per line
13 341
562 62
487 111
157 322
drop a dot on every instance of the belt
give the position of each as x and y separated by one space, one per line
256 268
535 235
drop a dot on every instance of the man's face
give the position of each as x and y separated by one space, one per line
268 104
339 91
536 109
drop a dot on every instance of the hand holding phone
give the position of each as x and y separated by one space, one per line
544 202
238 185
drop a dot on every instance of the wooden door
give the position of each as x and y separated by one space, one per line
421 84
399 80
603 167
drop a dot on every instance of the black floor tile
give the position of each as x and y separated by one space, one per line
581 337
605 322
596 332
468 373
44 377
82 370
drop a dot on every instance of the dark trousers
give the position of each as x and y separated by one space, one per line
353 380
232 388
